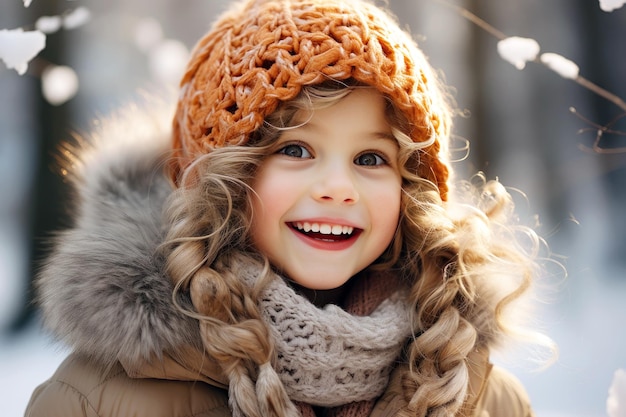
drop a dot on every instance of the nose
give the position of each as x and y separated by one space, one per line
335 185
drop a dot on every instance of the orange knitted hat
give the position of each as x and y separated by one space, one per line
262 52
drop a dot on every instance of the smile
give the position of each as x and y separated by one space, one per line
323 228
325 231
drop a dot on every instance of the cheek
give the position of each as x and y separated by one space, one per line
269 205
272 193
386 209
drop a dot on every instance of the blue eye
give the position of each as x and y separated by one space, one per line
295 151
370 159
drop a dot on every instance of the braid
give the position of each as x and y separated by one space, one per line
232 333
438 377
467 267
210 220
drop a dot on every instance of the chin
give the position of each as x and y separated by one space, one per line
326 285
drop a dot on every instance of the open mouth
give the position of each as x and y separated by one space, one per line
325 232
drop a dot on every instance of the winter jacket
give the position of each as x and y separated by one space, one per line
104 292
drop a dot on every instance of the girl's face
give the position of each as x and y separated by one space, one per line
329 195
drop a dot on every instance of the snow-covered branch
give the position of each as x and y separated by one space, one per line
518 51
610 5
18 47
166 58
616 402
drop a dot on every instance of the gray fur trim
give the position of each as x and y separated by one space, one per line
103 290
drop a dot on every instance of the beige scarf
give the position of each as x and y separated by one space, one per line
338 359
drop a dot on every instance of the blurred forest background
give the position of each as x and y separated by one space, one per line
518 123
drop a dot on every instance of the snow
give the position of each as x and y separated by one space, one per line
73 20
27 3
148 33
17 47
518 51
616 403
59 84
561 65
49 24
168 60
10 252
76 18
610 5
26 361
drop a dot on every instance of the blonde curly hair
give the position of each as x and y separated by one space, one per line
464 260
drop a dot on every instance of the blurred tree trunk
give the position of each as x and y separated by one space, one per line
46 211
478 60
605 55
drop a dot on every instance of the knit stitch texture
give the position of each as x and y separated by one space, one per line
262 53
328 356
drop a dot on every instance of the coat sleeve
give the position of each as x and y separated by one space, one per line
80 389
500 394
504 396
54 399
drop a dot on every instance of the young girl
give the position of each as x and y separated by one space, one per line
311 259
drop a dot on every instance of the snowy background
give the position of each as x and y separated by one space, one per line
97 56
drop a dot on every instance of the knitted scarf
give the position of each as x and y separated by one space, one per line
339 359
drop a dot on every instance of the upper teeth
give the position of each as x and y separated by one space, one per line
324 228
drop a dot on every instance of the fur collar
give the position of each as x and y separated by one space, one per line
103 291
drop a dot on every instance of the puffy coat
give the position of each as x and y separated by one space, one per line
81 387
104 292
